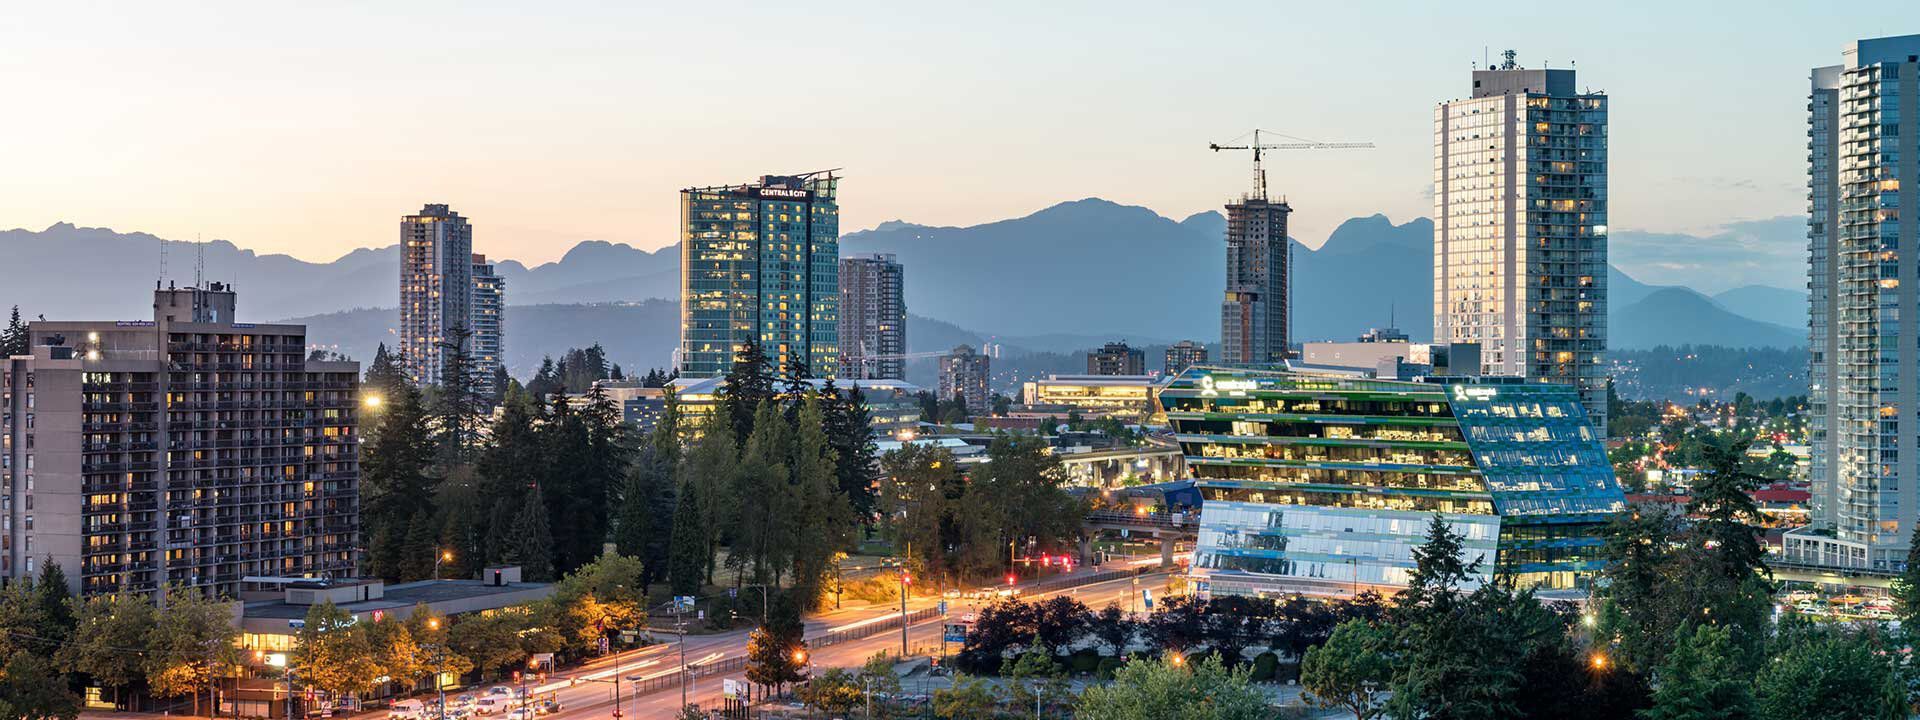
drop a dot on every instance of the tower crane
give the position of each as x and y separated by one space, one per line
1260 173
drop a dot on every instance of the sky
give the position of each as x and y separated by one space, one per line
310 128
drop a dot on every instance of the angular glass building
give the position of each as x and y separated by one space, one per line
1325 483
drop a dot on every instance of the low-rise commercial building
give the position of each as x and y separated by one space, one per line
1129 397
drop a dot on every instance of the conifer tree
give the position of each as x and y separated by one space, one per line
688 555
55 599
825 519
395 483
14 339
765 519
532 541
748 382
710 467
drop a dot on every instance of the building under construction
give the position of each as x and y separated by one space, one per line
1253 317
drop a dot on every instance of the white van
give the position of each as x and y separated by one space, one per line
490 705
407 710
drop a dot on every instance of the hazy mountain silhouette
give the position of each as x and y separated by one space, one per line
1063 279
1767 303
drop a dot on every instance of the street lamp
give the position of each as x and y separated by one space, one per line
372 401
439 668
445 556
905 580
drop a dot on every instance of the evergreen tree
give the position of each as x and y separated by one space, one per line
546 381
395 483
420 549
824 519
710 466
584 468
384 374
1906 587
511 462
14 339
1832 674
1723 500
850 432
765 524
647 511
458 406
689 555
747 384
532 541
57 621
1701 680
1439 568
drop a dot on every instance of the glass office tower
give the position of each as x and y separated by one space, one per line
1325 483
761 262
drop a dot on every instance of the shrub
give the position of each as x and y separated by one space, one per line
1107 667
1084 661
1264 666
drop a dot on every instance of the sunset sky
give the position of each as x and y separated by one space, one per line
309 128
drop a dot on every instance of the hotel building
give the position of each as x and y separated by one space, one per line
761 263
185 450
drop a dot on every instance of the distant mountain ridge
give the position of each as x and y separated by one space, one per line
1062 279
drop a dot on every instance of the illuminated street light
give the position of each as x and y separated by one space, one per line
1599 661
372 401
1177 659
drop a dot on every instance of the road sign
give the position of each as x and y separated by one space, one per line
730 688
1146 597
682 603
956 632
943 607
733 593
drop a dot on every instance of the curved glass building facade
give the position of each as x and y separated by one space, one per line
1325 483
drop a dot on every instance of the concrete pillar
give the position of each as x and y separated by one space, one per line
1086 550
1166 551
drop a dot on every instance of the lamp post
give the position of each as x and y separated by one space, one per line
439 668
445 556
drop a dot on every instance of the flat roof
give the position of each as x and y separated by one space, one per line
404 595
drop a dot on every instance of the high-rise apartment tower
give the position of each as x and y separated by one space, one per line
873 318
184 450
436 290
1863 228
486 344
1520 228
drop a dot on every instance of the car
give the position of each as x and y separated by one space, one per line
520 714
548 706
952 594
407 710
500 690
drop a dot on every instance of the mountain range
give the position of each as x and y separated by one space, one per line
1060 280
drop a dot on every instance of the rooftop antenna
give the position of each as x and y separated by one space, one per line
199 260
163 265
1509 64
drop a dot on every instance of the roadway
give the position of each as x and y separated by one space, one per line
593 697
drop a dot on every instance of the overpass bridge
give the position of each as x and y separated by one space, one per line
1168 528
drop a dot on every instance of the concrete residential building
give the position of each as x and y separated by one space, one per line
487 343
1863 163
187 449
761 263
1117 359
873 318
1183 355
1253 317
1520 228
436 289
1325 483
964 375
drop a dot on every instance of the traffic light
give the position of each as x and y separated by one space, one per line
1009 578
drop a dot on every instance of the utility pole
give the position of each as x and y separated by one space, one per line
904 581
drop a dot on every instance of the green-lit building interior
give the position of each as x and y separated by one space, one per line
1325 482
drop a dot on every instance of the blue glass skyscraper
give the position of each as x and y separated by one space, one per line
761 262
